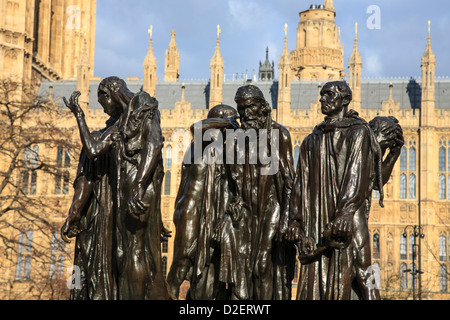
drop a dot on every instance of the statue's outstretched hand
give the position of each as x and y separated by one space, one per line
73 104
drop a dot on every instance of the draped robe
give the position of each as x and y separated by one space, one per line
335 174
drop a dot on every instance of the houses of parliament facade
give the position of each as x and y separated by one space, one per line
51 44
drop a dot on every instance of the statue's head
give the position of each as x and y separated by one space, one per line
222 111
253 109
335 97
113 95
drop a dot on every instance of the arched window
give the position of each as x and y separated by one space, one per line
403 159
66 180
403 186
59 156
169 157
442 187
167 183
442 165
403 276
442 248
412 159
403 246
29 173
412 186
63 160
35 158
376 246
443 278
67 158
24 250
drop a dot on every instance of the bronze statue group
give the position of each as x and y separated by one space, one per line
240 226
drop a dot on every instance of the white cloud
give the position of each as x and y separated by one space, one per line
373 65
247 13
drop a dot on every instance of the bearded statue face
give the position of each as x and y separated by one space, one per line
251 112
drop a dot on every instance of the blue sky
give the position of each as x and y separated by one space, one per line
249 26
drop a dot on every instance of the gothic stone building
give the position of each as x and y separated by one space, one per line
417 194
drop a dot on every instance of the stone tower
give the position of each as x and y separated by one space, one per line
83 76
266 69
172 66
428 66
319 53
150 66
43 39
284 83
355 67
216 83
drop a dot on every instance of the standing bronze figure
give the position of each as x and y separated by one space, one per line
201 201
116 212
92 215
266 260
339 164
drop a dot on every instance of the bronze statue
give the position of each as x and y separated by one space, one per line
263 266
92 214
201 200
116 212
339 164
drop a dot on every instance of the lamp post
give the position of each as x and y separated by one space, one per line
418 232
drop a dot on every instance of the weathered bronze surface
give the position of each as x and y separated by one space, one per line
242 212
339 165
115 214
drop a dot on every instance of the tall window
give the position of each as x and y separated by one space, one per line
165 246
376 246
168 157
403 186
408 168
403 246
403 159
442 248
412 186
444 169
403 276
63 160
412 159
167 179
57 249
442 187
24 250
29 173
442 160
443 278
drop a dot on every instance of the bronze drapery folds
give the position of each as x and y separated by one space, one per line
243 213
